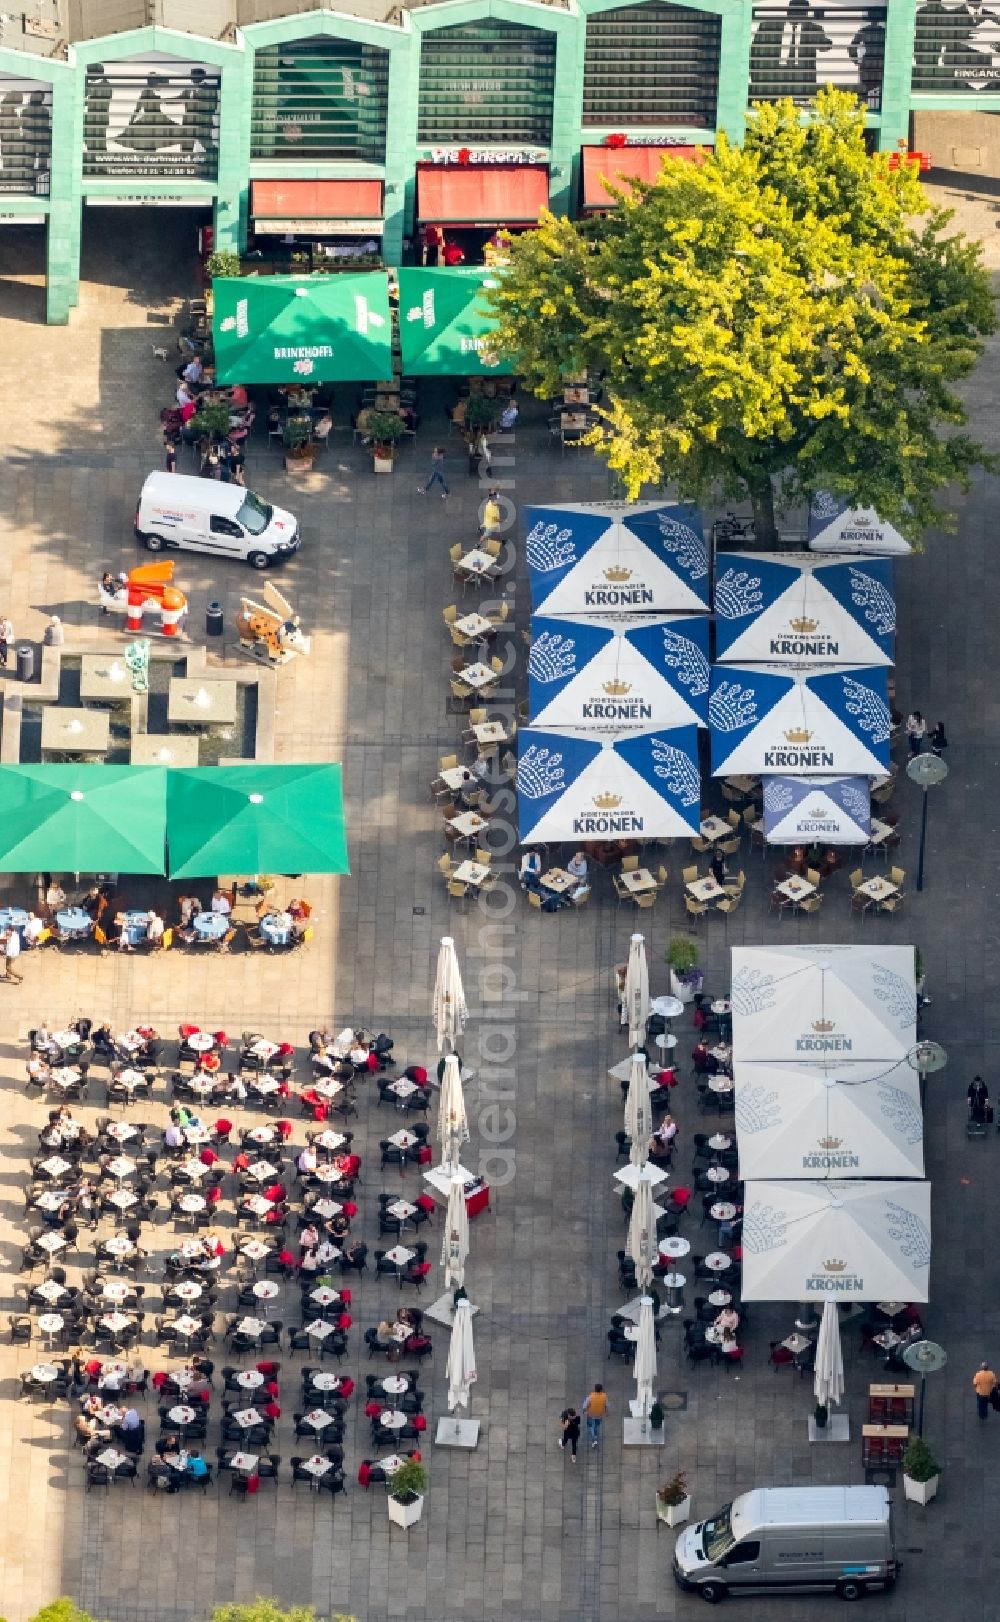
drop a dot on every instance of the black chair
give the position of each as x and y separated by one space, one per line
98 1475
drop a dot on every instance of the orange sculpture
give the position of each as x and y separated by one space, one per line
149 591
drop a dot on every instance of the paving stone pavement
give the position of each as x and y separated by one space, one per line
511 1531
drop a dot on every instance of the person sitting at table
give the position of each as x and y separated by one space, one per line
338 1227
89 1430
221 902
576 867
33 930
728 1320
55 896
104 1045
196 1467
717 866
705 1063
531 870
39 1069
307 1161
173 1135
384 1335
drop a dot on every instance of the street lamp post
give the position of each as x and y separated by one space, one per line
926 770
924 1357
926 1058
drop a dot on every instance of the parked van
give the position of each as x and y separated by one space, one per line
791 1540
205 515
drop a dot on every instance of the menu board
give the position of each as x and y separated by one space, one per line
320 98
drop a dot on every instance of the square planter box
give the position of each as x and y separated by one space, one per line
405 1515
919 1492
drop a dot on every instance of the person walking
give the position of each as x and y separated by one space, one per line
595 1409
436 475
570 1437
11 953
984 1383
979 1101
938 740
916 731
6 638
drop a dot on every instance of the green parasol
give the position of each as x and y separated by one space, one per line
302 329
444 330
82 819
255 819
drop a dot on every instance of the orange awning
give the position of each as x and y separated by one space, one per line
316 199
482 194
629 162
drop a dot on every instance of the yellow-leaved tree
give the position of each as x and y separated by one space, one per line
782 317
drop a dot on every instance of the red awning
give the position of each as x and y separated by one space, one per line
640 162
482 194
316 199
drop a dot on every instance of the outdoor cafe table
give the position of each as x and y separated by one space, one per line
50 1324
475 562
51 1241
327 1209
325 1382
331 1140
718 1262
123 1198
674 1247
478 675
490 732
74 921
394 1385
266 1084
468 824
117 1290
557 879
121 1167
327 1089
50 1291
719 1298
399 1256
403 1088
54 1166
316 1466
719 1084
714 828
722 1006
210 926
129 1079
639 881
118 1245
262 1134
134 925
247 1417
66 1075
795 889
879 831
391 1419
401 1209
317 1419
185 1325
50 1199
244 1463
255 1250
796 1344
718 1141
717 1174
722 1211
319 1328
576 395
116 1321
707 889
276 928
111 1458
191 1204
188 1289
456 777
263 1049
195 1169
327 1172
474 873
265 1290
324 1296
891 1309
391 1464
474 625
251 1327
403 1140
573 421
182 1414
249 1379
878 889
16 918
44 1372
261 1170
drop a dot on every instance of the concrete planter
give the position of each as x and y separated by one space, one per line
919 1492
673 1514
405 1515
382 463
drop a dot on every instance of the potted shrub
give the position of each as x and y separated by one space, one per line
300 452
656 1417
682 960
820 1415
406 1494
211 422
223 262
384 428
480 415
673 1501
921 1471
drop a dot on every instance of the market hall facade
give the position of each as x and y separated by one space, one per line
318 135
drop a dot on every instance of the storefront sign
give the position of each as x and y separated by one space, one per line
464 156
22 219
25 136
144 200
797 49
319 228
151 117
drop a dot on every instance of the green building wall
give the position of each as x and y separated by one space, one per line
229 193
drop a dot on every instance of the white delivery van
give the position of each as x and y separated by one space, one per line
205 515
791 1540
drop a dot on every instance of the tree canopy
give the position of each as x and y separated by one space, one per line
782 317
259 1610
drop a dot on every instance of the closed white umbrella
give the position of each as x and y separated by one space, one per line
638 1110
455 1245
461 1358
449 1009
828 1380
635 1003
640 1243
644 1368
453 1126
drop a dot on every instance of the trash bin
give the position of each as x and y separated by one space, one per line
213 619
25 662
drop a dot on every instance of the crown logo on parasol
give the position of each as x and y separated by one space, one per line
834 1266
804 626
617 689
607 802
798 735
618 574
822 1025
